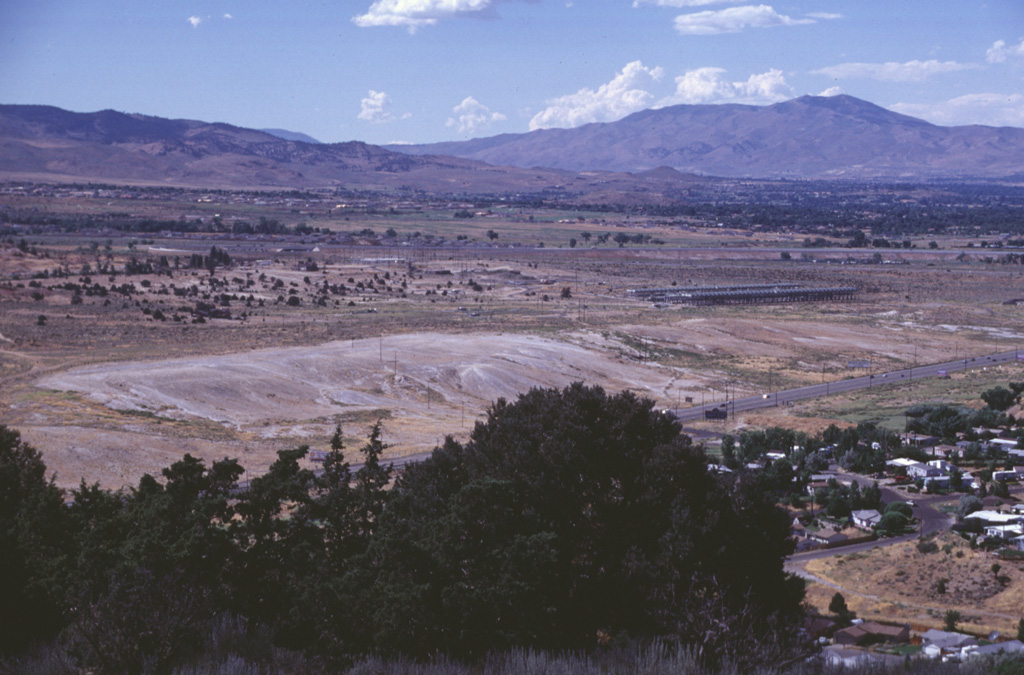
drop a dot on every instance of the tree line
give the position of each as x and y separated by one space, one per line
569 520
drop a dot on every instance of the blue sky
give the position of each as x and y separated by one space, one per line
431 70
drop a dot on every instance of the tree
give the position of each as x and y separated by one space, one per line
566 293
572 242
951 620
900 507
729 451
999 398
370 482
32 536
839 608
967 505
893 523
1001 489
492 235
1020 630
567 513
585 236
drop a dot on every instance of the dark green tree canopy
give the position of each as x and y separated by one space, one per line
589 513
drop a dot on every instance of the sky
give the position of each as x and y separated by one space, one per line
423 71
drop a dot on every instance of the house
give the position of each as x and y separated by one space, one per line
998 521
919 440
866 518
937 482
936 643
871 632
850 658
943 465
893 465
1004 531
919 470
1004 444
819 626
827 535
1008 647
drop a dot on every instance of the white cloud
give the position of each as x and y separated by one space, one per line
375 108
708 85
684 3
472 115
911 71
195 21
613 100
832 91
825 16
991 109
733 20
999 52
228 16
414 14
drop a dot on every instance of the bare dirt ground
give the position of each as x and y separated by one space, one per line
422 385
113 421
425 340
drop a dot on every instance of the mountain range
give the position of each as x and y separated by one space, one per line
650 156
807 137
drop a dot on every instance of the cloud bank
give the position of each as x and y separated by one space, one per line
911 71
683 3
471 115
990 109
708 85
733 20
376 108
999 52
611 101
414 14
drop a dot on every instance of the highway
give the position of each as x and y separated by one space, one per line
780 398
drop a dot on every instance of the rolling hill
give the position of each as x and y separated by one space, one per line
808 137
45 143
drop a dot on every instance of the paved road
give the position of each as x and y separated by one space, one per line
930 519
779 398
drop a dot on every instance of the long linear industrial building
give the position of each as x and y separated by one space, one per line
743 294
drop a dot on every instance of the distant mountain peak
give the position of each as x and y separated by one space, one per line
807 137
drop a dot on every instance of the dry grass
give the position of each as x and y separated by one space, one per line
899 583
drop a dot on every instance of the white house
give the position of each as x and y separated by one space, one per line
937 481
918 470
1003 443
866 518
943 465
997 523
935 643
900 462
1008 647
